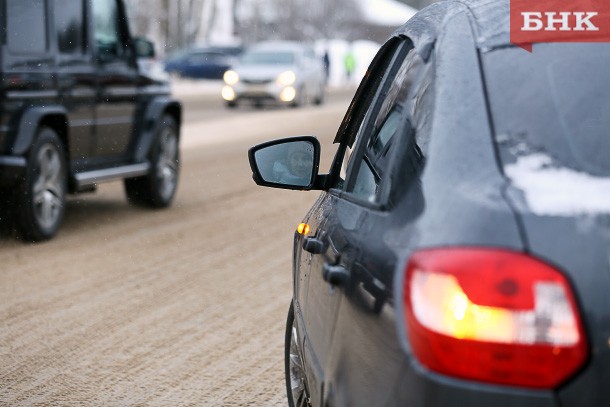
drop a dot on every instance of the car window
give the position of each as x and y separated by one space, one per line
26 26
363 104
559 110
389 119
268 58
202 57
107 29
69 17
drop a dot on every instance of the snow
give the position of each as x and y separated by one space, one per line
558 191
386 12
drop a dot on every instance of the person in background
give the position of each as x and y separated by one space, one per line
350 65
326 60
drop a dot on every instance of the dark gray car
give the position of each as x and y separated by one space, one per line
458 254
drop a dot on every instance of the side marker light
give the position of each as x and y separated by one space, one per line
303 228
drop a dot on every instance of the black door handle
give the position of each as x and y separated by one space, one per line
313 245
335 275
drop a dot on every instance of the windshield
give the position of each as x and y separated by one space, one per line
554 101
268 58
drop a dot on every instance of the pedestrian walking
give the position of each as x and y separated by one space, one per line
350 65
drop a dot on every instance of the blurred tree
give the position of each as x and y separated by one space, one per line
171 24
175 24
299 20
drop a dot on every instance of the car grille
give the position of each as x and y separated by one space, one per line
257 81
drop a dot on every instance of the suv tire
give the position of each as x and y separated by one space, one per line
157 189
41 195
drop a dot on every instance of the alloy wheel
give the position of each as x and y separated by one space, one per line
167 164
48 187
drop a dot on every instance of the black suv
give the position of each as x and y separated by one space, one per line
76 111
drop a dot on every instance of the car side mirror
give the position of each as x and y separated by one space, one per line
144 48
289 163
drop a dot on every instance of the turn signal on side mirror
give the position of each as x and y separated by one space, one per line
492 315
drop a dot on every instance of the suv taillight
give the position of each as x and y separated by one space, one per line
494 316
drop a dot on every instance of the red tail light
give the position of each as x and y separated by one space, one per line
493 316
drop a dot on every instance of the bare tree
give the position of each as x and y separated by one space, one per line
300 20
172 24
176 24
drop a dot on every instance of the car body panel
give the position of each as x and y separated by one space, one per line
203 62
478 216
560 195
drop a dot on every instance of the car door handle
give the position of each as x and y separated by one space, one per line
313 245
335 275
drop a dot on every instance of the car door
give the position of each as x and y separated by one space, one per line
335 220
76 77
382 191
117 81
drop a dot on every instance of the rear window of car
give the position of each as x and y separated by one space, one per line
554 101
268 58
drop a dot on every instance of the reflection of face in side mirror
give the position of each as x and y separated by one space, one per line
300 160
290 163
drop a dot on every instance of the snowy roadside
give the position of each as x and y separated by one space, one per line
191 88
194 88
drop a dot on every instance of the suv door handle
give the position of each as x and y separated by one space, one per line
313 245
335 275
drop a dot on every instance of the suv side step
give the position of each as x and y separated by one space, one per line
84 179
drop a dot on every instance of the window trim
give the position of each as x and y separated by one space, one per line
367 125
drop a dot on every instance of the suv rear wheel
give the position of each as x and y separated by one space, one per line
157 189
41 195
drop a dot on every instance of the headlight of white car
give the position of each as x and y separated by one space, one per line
230 77
286 78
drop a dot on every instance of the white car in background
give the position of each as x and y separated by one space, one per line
284 72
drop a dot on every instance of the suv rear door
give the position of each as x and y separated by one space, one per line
76 77
117 80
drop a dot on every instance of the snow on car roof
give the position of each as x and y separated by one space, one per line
550 190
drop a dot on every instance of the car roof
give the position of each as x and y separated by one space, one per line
490 22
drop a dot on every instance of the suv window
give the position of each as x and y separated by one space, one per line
389 116
69 17
26 26
107 29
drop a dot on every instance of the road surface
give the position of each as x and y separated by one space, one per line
185 306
